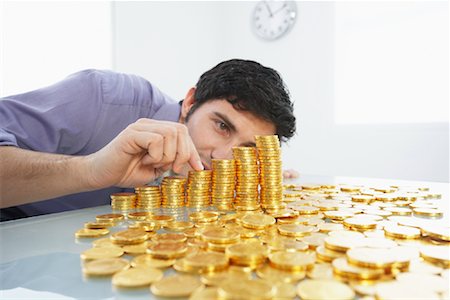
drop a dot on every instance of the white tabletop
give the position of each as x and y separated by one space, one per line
40 256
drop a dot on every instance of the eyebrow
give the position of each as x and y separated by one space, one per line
226 120
230 124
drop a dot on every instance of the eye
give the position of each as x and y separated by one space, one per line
222 126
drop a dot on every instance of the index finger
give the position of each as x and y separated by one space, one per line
194 160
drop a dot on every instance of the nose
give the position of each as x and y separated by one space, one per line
222 152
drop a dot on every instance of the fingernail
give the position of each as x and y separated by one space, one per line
200 165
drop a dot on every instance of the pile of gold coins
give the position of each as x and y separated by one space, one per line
198 191
148 197
173 191
247 178
123 201
223 183
329 242
315 241
271 171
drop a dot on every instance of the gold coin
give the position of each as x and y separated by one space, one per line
320 271
295 230
141 216
292 261
343 268
247 252
257 221
178 225
205 293
104 242
176 286
371 257
89 233
206 261
401 232
98 225
167 250
146 260
439 255
430 281
402 290
216 278
324 289
276 275
105 252
137 277
220 236
204 216
135 249
327 255
109 217
165 238
284 290
129 237
428 212
343 243
245 289
437 232
105 266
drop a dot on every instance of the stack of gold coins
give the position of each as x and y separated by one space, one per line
247 178
173 190
148 197
123 201
269 157
223 183
198 192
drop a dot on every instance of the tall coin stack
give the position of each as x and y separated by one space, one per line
123 201
269 157
198 192
223 183
173 191
247 178
148 197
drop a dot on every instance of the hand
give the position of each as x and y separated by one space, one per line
290 174
268 8
141 153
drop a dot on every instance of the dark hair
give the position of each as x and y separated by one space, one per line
249 86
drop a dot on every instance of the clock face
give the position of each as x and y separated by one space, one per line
272 19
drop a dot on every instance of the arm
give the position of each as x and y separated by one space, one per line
27 176
139 154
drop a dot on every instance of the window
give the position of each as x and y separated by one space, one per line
391 62
43 42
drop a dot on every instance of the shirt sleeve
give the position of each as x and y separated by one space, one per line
57 119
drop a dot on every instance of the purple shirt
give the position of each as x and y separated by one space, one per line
79 116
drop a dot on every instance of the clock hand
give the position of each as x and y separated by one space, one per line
280 9
268 8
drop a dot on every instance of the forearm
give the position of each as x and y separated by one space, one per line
28 176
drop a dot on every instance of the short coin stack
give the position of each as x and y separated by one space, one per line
148 197
223 183
123 201
173 191
247 178
269 157
198 192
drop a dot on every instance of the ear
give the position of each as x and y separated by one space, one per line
186 106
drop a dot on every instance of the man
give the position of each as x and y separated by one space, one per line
72 144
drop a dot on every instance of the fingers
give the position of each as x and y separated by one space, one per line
168 144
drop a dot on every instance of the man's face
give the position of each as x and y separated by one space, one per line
216 127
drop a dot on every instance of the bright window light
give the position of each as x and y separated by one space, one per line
43 42
391 62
